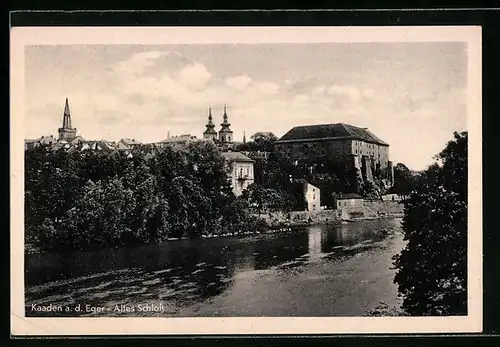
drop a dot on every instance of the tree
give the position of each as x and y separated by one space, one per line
255 194
100 218
403 180
432 269
262 141
267 199
370 190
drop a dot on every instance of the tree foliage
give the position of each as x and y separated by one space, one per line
260 141
90 199
404 182
432 269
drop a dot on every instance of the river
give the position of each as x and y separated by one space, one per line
322 270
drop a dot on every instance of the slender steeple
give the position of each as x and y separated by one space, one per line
66 132
67 116
244 138
210 132
225 133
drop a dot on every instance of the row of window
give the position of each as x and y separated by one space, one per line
241 171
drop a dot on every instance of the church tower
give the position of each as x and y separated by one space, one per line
210 133
225 133
67 132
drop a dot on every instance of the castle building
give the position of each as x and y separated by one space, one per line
67 132
333 140
225 133
210 133
347 143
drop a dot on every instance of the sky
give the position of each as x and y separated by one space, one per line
411 95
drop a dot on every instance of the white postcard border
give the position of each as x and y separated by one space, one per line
23 36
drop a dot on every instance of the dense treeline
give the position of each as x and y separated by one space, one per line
88 199
432 269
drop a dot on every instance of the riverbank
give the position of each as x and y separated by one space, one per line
277 223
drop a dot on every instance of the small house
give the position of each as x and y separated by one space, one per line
311 195
240 171
349 201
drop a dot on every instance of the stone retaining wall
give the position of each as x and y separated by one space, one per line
370 210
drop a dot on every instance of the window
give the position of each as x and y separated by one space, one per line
314 196
241 172
248 171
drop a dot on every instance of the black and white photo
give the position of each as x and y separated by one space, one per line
250 176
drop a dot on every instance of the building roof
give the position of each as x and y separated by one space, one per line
330 132
76 140
236 156
305 182
130 142
179 138
346 196
47 139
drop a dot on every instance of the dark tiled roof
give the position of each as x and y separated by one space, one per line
350 196
331 132
236 156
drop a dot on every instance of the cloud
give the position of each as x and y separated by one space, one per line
195 76
319 90
368 93
268 87
239 82
301 98
113 117
139 61
345 91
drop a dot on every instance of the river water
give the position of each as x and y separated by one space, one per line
324 270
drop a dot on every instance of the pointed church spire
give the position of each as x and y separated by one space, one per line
210 132
225 133
67 132
209 114
225 123
244 137
66 116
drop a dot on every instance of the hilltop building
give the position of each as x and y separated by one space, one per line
343 142
240 171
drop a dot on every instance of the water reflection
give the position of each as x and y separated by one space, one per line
317 237
181 273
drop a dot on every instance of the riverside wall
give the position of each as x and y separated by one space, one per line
370 210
